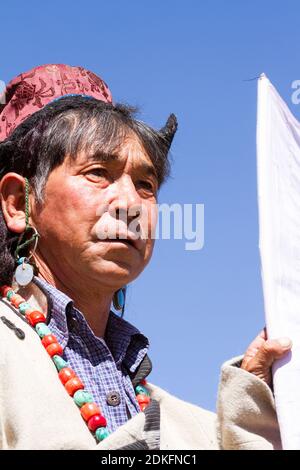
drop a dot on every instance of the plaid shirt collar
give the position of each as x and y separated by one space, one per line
126 343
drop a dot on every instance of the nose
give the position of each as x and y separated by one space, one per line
126 205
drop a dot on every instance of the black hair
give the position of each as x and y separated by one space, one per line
68 126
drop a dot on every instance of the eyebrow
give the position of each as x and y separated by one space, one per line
102 156
148 169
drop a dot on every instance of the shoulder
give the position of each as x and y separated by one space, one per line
172 402
11 326
184 425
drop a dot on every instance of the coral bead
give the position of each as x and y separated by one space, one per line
73 385
96 421
66 374
16 300
13 298
143 399
35 317
143 406
54 349
88 410
4 290
49 339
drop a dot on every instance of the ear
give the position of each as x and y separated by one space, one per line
12 196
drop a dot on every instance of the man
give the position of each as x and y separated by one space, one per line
77 174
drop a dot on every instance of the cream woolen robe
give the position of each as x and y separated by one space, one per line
37 413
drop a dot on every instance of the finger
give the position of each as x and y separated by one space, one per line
255 346
266 353
260 364
271 350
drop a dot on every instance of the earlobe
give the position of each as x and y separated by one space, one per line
13 201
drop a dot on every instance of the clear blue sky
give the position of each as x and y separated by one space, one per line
191 58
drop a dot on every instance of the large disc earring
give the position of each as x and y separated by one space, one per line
25 270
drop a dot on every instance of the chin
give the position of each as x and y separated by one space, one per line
117 272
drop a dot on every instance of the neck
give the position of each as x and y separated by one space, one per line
94 304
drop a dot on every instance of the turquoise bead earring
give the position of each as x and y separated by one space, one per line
119 300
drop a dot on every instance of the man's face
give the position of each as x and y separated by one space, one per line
86 202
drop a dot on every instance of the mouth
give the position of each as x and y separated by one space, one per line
120 240
130 242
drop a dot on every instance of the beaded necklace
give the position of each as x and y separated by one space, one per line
90 411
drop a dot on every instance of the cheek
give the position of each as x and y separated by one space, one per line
149 219
148 222
67 208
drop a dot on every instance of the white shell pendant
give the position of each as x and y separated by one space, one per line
24 274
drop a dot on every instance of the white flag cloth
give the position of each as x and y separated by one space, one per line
278 166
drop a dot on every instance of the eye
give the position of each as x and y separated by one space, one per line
97 174
146 186
97 171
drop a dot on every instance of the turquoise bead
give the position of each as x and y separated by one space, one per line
119 299
140 390
23 307
81 397
101 433
9 294
42 330
59 362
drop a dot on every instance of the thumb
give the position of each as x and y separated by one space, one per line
271 350
260 363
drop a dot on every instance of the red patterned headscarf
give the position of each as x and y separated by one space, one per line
31 91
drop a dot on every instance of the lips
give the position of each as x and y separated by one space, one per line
128 240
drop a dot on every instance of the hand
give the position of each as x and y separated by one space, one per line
261 354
